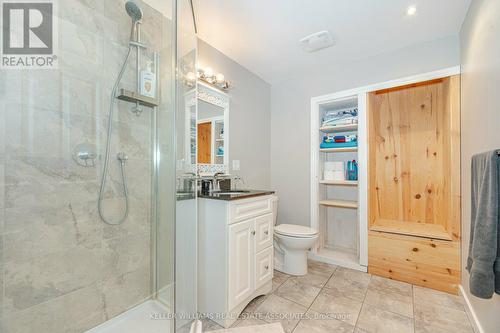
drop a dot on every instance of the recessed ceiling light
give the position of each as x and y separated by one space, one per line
412 10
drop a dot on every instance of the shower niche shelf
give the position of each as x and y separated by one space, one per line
134 97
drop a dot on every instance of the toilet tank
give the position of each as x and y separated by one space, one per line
275 209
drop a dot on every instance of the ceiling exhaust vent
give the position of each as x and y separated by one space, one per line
317 41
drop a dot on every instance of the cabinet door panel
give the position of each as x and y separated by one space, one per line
264 267
263 232
241 257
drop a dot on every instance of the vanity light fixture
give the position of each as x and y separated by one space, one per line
208 75
209 72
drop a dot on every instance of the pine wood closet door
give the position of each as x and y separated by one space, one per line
205 143
414 170
414 184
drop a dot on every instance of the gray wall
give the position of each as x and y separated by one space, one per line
480 38
249 117
63 269
291 105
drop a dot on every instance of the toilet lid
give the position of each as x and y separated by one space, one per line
294 230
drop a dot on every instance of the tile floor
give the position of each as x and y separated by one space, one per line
343 300
267 328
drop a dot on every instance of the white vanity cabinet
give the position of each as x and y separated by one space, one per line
235 255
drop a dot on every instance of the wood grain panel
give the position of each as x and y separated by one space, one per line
414 183
414 143
425 262
412 229
454 223
205 143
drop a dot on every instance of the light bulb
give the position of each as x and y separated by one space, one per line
219 78
209 72
412 10
190 77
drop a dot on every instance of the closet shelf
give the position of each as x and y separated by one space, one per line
337 129
409 228
339 150
339 203
339 182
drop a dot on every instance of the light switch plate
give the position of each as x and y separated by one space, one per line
236 165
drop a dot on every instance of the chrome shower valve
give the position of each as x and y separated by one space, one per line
122 157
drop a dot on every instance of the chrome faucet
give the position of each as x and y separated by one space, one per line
186 181
218 177
238 178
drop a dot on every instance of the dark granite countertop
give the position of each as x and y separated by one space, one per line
241 194
181 196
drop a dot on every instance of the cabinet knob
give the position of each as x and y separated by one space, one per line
253 233
266 232
267 267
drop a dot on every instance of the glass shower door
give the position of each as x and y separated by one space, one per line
62 268
186 203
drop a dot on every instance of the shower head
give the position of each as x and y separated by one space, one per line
134 11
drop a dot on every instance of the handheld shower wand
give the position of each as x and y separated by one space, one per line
136 14
134 11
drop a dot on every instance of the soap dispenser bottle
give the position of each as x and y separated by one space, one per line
148 81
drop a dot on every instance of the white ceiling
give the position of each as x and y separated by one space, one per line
263 35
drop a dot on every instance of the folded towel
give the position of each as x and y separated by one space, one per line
340 138
483 262
342 117
339 122
326 145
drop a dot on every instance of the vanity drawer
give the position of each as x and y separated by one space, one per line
245 209
264 267
263 232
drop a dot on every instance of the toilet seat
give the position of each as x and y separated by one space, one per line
293 230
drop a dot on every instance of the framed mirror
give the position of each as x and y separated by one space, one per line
212 129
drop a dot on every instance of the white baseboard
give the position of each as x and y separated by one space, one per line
471 313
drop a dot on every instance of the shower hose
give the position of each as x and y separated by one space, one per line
121 156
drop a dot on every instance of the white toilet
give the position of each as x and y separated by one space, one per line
291 243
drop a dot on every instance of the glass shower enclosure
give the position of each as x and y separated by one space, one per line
97 198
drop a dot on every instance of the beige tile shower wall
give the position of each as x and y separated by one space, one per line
61 268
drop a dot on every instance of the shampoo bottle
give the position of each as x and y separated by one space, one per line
148 81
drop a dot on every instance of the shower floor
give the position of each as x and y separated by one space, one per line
138 319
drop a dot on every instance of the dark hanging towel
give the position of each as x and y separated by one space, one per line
483 262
